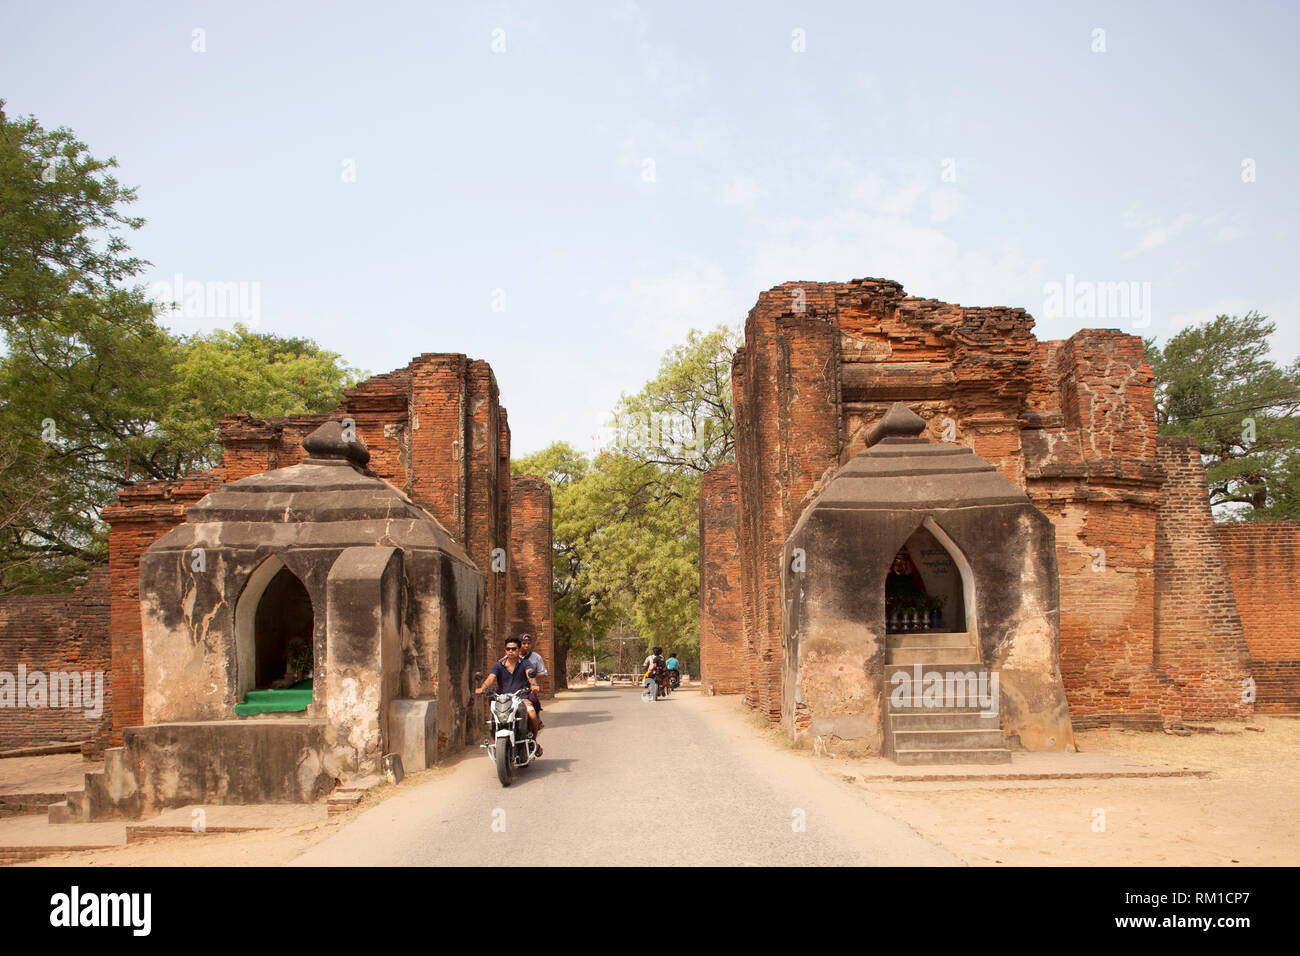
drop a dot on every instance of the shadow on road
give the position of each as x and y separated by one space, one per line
549 765
552 719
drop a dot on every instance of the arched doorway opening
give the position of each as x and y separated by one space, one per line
927 587
274 626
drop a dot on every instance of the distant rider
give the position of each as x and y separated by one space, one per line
674 670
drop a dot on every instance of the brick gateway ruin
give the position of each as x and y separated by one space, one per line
405 552
1149 628
1161 615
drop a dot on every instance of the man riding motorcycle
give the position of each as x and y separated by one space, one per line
532 660
511 674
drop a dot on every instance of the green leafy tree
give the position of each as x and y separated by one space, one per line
579 618
62 256
626 524
95 392
243 372
682 419
643 494
1215 382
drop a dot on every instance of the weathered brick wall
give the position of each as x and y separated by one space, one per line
485 532
1071 422
143 513
1199 639
787 435
1090 467
57 633
439 464
748 477
530 550
723 660
434 429
1263 561
1104 554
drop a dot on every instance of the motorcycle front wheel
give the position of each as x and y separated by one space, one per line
505 762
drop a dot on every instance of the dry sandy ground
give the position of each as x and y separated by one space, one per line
1245 812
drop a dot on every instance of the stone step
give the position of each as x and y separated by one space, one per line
931 658
913 758
60 813
893 711
75 808
930 639
948 739
942 668
114 762
97 793
965 719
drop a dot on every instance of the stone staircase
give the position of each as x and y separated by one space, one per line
945 734
76 805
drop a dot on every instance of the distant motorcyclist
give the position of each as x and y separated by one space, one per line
674 671
657 673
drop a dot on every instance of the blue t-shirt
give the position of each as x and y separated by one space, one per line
508 683
672 663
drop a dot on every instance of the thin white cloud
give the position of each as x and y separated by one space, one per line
1159 234
661 310
1285 342
944 204
741 191
853 243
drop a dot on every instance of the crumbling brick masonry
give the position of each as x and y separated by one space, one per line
1149 624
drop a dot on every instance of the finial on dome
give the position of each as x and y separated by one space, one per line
899 422
329 443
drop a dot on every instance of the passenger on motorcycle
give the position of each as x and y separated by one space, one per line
511 674
534 661
657 672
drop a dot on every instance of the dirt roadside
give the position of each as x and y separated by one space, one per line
1246 812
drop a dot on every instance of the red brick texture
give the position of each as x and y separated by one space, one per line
1149 632
1263 560
434 429
722 656
144 512
787 434
56 633
530 549
1199 642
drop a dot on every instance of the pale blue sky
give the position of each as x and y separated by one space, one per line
524 170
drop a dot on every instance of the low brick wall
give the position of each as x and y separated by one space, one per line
59 633
1263 560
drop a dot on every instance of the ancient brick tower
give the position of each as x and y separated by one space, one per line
1149 629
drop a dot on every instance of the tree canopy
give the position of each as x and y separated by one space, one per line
626 520
95 391
1216 383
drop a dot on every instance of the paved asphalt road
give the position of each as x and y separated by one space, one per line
678 782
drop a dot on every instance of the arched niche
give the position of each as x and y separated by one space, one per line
929 564
273 610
